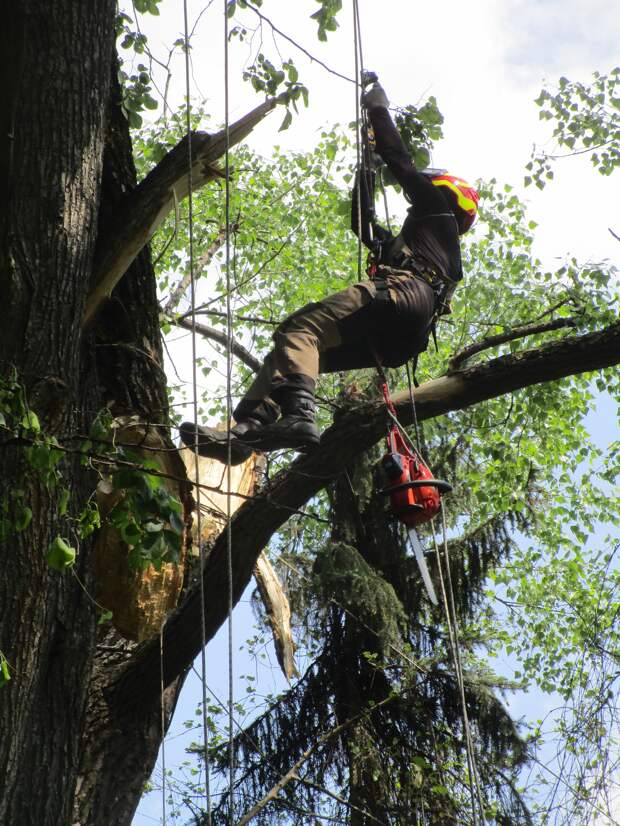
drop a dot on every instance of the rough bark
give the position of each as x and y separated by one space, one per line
123 356
52 178
80 719
257 520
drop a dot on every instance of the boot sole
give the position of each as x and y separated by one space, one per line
278 442
215 449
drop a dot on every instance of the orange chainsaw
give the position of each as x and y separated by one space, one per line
415 496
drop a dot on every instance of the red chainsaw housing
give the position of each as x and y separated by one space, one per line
412 502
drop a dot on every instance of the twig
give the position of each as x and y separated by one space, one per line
518 332
203 261
222 338
250 319
297 46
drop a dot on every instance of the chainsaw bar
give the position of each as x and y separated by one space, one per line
421 560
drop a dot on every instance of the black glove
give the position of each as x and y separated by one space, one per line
374 97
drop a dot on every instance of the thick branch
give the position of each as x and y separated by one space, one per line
145 208
222 338
510 335
357 430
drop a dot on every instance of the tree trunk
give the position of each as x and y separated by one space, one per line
51 184
66 164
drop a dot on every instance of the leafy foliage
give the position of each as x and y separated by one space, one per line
516 462
587 119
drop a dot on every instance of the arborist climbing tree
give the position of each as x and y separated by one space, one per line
386 319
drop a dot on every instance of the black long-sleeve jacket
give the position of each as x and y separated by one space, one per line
429 232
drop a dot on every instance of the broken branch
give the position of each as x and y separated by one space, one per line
145 208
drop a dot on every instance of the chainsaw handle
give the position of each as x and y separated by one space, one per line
439 484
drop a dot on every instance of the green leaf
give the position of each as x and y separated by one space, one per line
89 520
63 501
104 617
60 555
288 119
5 674
30 421
23 519
130 532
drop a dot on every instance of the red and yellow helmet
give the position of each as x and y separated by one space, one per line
461 196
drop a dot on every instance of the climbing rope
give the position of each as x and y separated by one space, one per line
203 656
229 368
448 606
454 647
358 142
163 724
457 649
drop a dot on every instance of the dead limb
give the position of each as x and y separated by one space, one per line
221 337
145 207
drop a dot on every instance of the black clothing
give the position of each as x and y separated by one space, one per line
430 230
396 327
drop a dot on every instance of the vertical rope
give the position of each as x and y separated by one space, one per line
414 414
459 681
203 660
163 724
358 147
229 367
459 663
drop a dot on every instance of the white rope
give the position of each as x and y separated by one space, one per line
203 659
163 724
452 626
229 367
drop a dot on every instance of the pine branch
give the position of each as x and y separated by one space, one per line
292 774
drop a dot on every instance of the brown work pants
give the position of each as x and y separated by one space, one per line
340 333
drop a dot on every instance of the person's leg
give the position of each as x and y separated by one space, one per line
300 341
288 377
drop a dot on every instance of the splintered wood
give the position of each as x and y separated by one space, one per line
140 600
213 506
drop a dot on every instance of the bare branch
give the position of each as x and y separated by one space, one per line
286 37
352 432
250 319
617 237
145 208
517 332
203 261
221 337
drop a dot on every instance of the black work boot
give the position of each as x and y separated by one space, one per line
250 414
295 429
213 443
